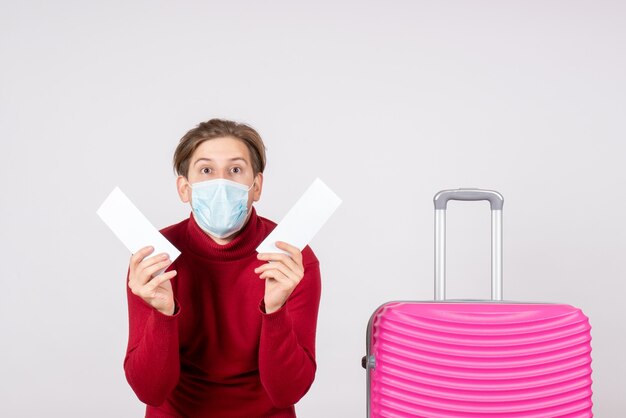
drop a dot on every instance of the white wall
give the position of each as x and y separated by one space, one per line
387 101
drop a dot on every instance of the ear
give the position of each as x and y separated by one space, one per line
184 189
258 187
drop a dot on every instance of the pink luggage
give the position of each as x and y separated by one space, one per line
462 358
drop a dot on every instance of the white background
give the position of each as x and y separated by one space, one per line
387 101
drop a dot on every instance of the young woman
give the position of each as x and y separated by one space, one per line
223 331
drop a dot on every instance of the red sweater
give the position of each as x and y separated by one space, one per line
220 354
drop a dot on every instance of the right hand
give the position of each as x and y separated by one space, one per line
156 292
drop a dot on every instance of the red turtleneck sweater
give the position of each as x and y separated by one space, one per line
220 355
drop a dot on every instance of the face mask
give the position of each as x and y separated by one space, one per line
220 206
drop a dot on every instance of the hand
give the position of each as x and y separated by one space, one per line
282 274
157 291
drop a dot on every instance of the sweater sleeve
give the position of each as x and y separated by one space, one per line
151 365
287 345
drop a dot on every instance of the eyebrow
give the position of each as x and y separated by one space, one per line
210 160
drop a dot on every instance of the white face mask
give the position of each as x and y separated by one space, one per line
220 206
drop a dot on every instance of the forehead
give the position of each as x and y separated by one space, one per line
223 148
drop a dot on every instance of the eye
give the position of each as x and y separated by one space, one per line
236 170
205 170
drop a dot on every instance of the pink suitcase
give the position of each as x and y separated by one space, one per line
462 358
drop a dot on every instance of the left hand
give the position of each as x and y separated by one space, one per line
281 275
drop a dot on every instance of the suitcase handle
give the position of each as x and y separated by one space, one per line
441 203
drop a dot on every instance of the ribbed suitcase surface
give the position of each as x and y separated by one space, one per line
452 360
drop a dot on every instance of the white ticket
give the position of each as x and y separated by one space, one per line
132 227
304 219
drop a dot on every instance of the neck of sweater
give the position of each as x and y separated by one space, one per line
241 246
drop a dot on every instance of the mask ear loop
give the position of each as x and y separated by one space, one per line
250 188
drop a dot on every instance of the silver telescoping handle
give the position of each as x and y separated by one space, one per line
441 203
